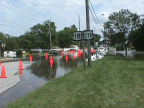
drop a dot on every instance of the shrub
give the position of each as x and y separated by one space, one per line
27 50
19 51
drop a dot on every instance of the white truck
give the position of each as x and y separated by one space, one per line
74 47
55 50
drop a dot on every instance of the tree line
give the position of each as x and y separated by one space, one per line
39 37
125 28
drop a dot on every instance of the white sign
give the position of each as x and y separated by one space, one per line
77 36
96 43
88 35
3 44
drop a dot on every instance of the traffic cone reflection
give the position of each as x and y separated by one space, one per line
3 73
21 72
51 61
62 53
79 53
73 56
67 58
46 56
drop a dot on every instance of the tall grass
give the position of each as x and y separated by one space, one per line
113 82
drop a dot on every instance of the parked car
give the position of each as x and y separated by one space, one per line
55 50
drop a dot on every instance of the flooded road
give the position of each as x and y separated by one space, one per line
37 75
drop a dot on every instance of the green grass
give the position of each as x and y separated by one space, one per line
113 82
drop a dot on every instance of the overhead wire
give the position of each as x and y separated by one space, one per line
27 24
95 14
21 8
95 20
98 25
32 8
123 5
13 27
13 23
19 12
63 20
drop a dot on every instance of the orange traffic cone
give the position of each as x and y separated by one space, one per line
3 73
20 66
30 58
0 62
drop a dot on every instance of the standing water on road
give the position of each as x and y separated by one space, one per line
37 75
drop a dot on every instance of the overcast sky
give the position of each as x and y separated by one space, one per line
17 16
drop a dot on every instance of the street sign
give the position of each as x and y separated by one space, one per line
77 36
3 45
88 35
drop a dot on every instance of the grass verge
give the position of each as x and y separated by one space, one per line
113 82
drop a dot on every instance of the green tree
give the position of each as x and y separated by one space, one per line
124 21
41 32
65 37
39 36
96 39
137 38
11 43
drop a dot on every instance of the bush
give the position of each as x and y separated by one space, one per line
19 51
27 50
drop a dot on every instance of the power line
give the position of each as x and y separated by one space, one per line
13 23
18 12
95 14
13 27
122 4
20 8
62 19
32 8
41 13
95 20
16 21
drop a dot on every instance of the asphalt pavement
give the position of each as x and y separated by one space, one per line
11 68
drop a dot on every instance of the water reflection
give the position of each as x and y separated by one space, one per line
41 67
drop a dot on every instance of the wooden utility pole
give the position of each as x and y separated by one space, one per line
50 35
79 29
88 28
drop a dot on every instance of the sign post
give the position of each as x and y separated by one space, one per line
0 47
78 36
88 35
3 45
82 36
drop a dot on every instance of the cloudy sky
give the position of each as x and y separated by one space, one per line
17 16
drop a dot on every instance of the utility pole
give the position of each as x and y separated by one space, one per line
94 37
88 28
79 28
50 35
